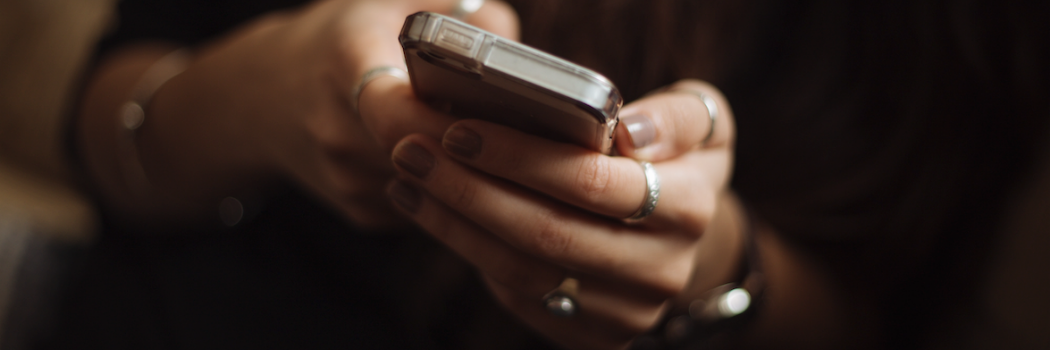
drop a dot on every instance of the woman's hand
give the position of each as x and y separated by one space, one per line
273 100
529 212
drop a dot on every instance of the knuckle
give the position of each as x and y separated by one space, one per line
693 225
672 278
551 239
594 177
696 221
681 114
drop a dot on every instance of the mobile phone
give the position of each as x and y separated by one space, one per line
471 73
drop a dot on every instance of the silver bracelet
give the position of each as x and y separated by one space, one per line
133 115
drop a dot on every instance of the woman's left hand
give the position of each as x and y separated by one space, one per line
529 212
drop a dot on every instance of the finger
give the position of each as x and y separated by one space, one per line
619 309
386 104
671 122
546 228
607 314
611 186
493 257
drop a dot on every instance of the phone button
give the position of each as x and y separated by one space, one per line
458 39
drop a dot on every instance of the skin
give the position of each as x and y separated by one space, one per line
270 102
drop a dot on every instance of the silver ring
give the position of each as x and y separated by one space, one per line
368 77
652 193
712 111
466 7
561 301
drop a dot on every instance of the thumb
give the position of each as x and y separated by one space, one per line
687 115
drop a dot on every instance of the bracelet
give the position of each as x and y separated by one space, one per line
718 312
133 115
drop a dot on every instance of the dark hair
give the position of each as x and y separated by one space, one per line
884 137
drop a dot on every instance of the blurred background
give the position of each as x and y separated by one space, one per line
45 222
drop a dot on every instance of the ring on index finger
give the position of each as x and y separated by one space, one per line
368 77
712 110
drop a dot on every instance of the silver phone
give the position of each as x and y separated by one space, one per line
471 73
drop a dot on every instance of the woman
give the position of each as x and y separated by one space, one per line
826 163
272 101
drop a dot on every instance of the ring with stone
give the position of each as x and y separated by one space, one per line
368 77
652 193
561 301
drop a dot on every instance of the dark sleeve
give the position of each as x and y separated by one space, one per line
184 22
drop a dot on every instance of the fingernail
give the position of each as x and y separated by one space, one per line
641 129
462 142
404 196
414 159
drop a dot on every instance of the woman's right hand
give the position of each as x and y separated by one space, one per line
529 213
273 99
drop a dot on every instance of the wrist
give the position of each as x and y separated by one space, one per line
202 155
132 116
169 166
